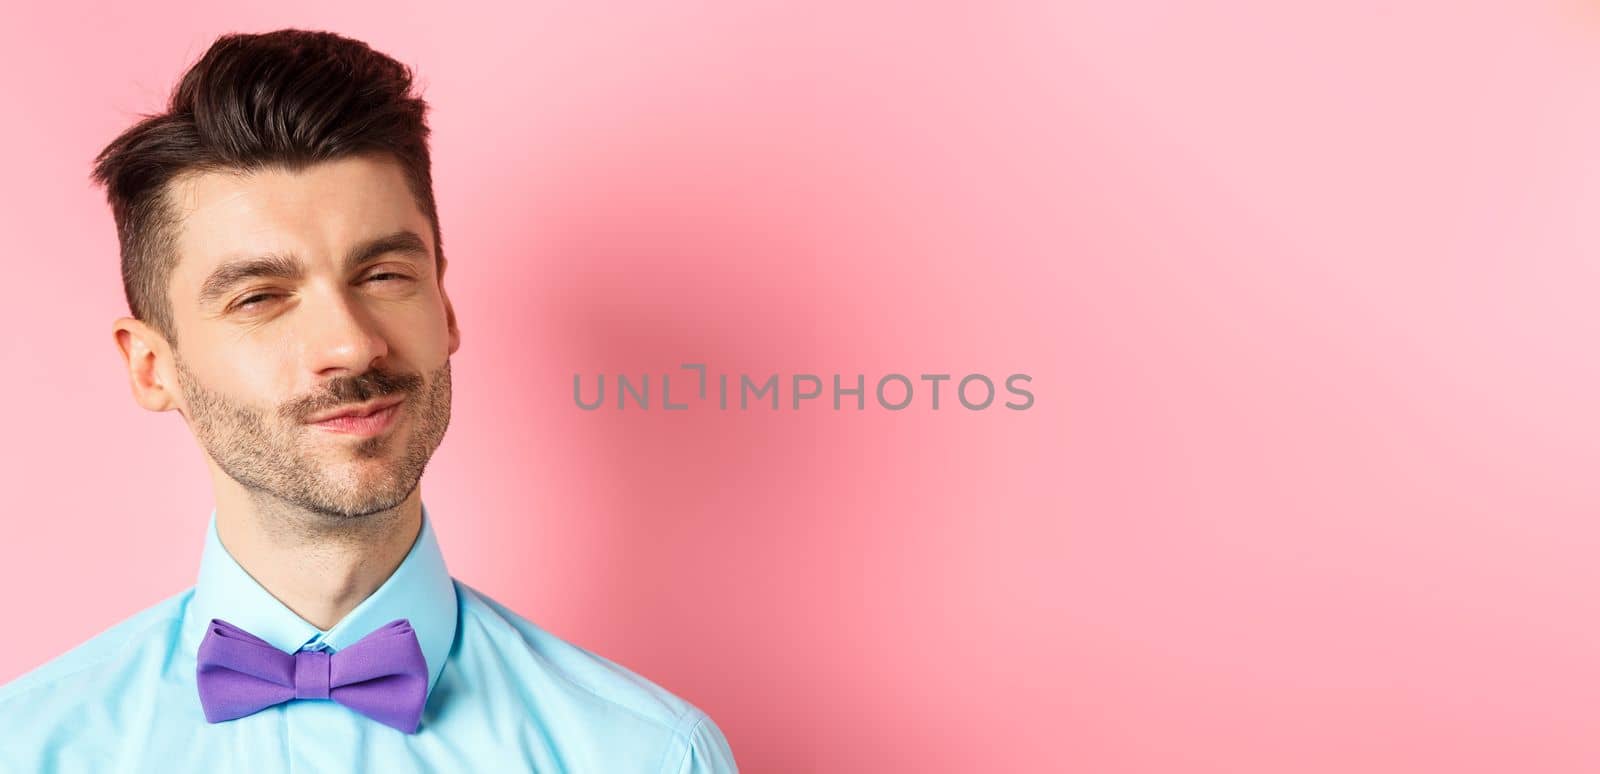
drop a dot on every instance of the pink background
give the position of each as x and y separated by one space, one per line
1308 297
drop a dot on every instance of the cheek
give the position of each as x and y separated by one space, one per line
250 375
421 331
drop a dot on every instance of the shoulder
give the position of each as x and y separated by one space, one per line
116 647
602 687
594 675
77 705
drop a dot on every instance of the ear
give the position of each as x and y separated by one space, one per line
148 359
449 309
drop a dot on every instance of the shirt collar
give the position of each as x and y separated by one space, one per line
419 590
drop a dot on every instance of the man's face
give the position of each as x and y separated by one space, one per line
297 295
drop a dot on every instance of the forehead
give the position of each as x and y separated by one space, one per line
314 212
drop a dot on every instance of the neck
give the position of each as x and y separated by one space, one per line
318 565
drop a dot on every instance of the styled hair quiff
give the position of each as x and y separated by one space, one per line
285 99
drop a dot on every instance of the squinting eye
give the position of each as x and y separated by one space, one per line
387 274
250 301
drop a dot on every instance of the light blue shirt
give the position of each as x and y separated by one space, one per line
503 694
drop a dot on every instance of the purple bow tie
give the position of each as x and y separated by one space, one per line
382 675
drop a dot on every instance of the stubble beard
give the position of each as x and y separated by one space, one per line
271 454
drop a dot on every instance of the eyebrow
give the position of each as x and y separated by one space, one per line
287 266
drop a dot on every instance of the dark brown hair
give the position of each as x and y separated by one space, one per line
283 99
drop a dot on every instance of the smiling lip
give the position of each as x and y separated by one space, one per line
365 420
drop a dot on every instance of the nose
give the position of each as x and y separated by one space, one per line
341 338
